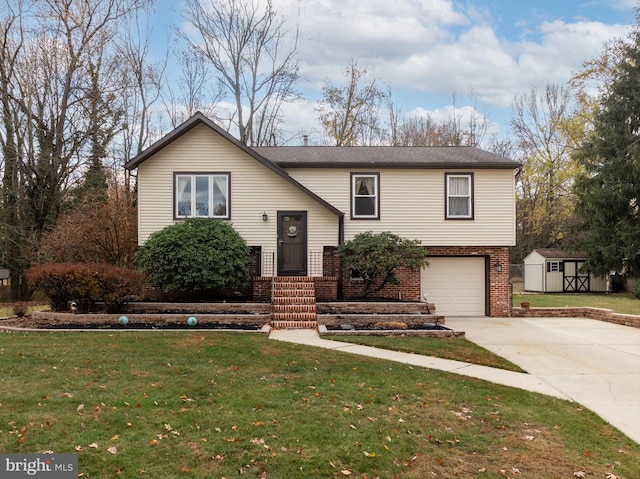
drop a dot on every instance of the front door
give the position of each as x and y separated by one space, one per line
292 243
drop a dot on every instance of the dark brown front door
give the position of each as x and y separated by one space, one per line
292 243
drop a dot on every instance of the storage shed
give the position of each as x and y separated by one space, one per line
550 270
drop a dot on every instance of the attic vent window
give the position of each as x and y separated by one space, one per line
554 267
202 195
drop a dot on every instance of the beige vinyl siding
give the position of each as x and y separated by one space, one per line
255 190
412 204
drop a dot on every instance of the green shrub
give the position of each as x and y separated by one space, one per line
376 256
199 255
20 309
85 284
636 289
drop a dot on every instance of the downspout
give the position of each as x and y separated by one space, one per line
340 242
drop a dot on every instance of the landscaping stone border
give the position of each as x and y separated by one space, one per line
600 314
425 333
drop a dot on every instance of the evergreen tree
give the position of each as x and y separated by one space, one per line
608 192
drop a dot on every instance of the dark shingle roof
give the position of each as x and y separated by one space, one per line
552 253
385 156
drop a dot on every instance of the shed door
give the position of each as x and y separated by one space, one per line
574 281
456 286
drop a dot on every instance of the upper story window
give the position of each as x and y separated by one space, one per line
365 196
202 195
459 192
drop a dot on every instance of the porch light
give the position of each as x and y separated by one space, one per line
497 267
265 217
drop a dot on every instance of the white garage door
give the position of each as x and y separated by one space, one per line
455 285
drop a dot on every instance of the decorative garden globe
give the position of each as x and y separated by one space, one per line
123 320
192 321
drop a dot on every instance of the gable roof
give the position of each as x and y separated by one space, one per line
200 119
385 156
552 253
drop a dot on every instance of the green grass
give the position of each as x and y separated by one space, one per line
6 309
624 303
458 349
200 404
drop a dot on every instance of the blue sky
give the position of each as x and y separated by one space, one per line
427 50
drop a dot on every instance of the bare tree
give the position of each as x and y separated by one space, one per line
350 113
254 56
461 127
193 91
141 85
541 130
57 73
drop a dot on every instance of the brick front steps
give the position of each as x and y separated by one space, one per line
590 313
293 305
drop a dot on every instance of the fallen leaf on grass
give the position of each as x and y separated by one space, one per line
345 472
94 445
580 474
369 454
112 450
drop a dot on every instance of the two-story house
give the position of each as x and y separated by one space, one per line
295 205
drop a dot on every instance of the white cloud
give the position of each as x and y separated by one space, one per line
428 49
433 48
464 115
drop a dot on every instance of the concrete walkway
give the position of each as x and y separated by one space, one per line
594 363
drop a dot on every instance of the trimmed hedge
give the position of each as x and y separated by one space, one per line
197 255
85 284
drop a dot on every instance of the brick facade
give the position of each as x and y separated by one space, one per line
335 285
499 291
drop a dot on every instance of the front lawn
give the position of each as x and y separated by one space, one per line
458 349
624 303
200 404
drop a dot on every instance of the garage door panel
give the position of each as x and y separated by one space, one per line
455 285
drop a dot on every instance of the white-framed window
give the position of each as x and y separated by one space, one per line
459 195
204 195
365 196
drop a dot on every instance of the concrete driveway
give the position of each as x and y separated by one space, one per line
595 363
